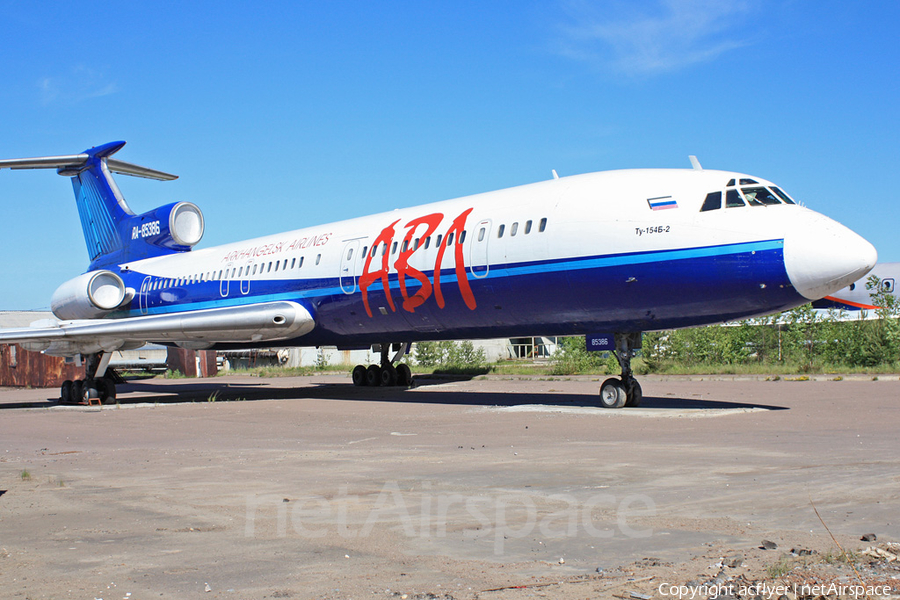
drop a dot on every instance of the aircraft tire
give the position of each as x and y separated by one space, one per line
65 392
388 376
359 376
106 389
373 375
404 375
612 394
77 393
636 396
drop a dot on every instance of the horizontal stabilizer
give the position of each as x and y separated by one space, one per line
71 164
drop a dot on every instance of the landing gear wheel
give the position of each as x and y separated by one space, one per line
404 375
65 392
612 394
106 391
91 389
373 375
388 376
636 395
77 393
359 375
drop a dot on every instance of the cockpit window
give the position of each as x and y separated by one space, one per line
749 182
759 196
713 202
733 199
782 195
730 183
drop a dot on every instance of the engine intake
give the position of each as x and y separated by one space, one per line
88 296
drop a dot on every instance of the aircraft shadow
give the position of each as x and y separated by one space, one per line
222 390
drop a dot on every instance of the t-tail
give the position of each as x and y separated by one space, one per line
112 232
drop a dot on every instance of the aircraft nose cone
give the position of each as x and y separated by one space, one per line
822 256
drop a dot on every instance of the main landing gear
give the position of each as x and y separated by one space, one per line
625 391
99 382
386 373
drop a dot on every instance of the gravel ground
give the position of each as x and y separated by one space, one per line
494 488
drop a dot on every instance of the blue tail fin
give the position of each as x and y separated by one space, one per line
112 232
100 204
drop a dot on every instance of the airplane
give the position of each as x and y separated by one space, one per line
856 298
615 252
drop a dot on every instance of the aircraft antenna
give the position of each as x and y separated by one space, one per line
695 163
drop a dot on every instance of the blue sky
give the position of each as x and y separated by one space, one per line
280 115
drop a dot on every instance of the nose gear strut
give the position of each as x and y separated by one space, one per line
625 391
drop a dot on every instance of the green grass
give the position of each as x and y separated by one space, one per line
780 568
25 475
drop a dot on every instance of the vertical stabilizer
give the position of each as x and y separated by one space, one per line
100 204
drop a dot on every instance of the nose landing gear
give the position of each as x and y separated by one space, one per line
385 374
625 391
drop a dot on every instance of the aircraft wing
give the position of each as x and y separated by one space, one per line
191 329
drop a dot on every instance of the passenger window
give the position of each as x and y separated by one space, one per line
888 285
276 265
349 253
449 239
500 231
269 270
284 266
713 202
255 269
293 263
405 245
481 234
733 199
462 237
527 227
416 244
394 248
437 241
318 258
233 271
365 249
543 225
427 242
513 229
301 262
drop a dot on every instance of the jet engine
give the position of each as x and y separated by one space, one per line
177 226
89 296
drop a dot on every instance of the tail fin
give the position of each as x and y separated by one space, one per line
112 232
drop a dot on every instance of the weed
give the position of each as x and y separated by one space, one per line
845 558
780 568
25 475
212 397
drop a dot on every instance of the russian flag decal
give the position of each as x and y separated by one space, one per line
663 203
